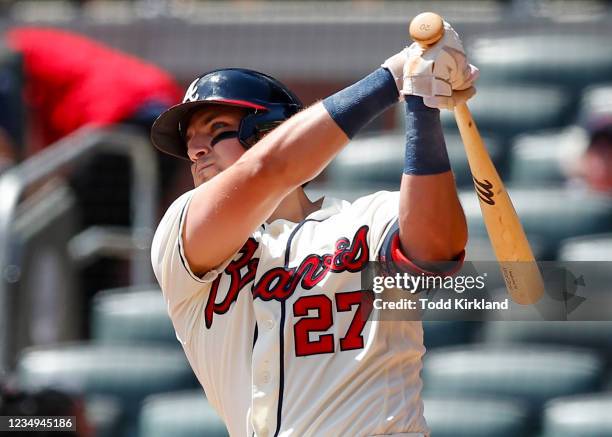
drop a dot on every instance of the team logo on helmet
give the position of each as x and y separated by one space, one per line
192 92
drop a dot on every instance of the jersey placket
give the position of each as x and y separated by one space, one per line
266 354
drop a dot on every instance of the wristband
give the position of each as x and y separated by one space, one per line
425 147
354 107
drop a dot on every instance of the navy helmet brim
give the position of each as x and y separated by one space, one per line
165 133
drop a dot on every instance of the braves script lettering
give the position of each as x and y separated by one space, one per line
280 283
237 281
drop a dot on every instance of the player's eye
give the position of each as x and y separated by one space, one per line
218 125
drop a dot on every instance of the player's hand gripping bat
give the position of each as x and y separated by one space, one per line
520 271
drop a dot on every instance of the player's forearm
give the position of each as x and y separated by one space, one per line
432 222
300 148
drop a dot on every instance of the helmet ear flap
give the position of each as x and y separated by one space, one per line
247 131
256 125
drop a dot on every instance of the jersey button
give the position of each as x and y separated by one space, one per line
265 377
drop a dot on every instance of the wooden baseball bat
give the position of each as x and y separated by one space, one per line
512 250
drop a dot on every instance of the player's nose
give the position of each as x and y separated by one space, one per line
199 146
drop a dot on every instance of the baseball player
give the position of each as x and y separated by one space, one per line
263 284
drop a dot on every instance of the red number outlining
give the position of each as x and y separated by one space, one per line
324 320
344 302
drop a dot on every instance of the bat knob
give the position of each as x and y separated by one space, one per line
426 29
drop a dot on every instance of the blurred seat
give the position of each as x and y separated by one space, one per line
437 333
104 415
132 315
548 214
531 373
569 59
595 106
579 416
479 248
129 373
539 158
377 162
476 417
587 248
587 334
507 110
183 414
369 161
589 259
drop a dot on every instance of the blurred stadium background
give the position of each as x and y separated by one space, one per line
79 310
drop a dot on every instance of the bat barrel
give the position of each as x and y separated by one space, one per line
519 268
512 250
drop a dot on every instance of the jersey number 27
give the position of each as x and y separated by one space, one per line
353 338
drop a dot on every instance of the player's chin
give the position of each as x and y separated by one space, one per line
205 175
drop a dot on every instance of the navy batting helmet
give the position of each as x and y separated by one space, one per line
268 103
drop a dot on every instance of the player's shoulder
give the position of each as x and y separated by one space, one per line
171 219
177 208
179 203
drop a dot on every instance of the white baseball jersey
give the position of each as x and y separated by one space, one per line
276 336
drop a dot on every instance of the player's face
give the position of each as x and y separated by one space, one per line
208 159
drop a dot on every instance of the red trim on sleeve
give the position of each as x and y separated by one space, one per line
403 261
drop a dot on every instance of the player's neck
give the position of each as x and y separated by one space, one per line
295 207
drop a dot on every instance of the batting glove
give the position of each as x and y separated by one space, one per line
440 73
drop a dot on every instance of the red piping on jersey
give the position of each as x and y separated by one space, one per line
402 260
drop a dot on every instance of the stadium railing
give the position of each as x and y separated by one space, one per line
52 161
